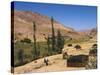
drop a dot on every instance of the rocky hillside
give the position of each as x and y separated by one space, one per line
90 33
23 22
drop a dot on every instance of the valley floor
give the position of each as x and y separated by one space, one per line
56 63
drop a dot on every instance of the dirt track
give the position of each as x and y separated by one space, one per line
56 63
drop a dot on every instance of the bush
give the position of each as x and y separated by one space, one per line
21 55
92 63
93 52
26 40
92 60
77 47
69 45
94 46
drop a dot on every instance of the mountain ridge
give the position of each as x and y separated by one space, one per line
23 22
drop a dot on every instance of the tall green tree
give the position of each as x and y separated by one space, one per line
60 42
34 37
21 56
38 50
48 43
53 35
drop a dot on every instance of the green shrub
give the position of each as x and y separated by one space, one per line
94 46
92 60
77 47
69 45
26 40
92 63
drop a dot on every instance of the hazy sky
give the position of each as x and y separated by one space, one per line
74 16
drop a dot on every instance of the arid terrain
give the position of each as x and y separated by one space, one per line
23 22
23 28
56 63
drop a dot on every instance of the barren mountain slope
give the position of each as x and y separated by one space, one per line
23 22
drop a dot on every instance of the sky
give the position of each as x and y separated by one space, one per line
74 16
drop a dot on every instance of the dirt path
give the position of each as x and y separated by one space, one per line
56 63
59 65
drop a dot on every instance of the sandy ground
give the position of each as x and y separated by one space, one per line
56 63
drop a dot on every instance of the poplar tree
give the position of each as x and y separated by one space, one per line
34 37
53 35
48 43
60 42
